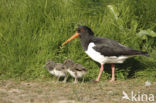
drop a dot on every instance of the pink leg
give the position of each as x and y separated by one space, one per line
113 73
101 70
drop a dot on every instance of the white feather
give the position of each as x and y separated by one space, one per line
57 73
80 74
73 74
101 58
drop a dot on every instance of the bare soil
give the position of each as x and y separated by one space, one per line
58 92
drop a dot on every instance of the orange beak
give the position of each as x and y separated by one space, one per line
74 36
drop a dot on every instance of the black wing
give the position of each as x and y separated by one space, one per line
108 47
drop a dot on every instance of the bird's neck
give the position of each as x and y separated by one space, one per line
85 41
50 69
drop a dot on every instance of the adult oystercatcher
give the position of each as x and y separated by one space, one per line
103 50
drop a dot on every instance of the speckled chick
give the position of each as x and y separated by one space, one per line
74 69
56 69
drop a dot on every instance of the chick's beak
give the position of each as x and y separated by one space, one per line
74 36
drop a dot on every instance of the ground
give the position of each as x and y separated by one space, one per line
12 91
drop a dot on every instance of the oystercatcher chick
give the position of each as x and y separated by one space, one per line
103 50
74 69
57 69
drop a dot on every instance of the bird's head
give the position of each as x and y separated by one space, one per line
82 31
50 64
68 63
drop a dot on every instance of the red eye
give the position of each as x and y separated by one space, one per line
82 30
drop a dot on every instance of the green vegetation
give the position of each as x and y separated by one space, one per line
32 31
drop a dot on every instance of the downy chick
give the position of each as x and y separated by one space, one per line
74 69
56 69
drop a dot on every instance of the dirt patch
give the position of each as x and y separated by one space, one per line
52 92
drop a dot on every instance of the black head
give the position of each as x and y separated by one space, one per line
50 64
84 30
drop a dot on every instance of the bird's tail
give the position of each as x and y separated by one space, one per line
136 52
144 53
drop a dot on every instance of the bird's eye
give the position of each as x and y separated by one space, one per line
82 30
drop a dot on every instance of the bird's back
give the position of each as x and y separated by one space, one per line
59 67
79 68
108 47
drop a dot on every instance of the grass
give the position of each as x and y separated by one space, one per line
32 32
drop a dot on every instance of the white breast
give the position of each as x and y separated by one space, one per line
76 74
71 73
94 54
101 58
80 74
58 73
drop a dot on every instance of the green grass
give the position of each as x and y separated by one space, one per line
32 32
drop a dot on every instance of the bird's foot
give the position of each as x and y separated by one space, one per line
75 82
112 80
95 81
64 81
56 82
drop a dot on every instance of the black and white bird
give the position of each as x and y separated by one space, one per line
103 50
57 69
74 69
